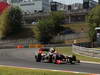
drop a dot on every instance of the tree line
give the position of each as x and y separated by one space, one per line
10 21
46 29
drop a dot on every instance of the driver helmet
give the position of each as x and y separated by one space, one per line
52 49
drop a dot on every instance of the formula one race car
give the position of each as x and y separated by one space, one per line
41 53
49 55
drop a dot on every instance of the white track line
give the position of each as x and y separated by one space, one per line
50 70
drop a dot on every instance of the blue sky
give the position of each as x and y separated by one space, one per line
70 1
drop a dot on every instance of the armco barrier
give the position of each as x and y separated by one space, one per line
93 52
7 47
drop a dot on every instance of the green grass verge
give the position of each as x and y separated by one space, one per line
68 51
21 71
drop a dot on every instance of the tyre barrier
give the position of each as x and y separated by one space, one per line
35 45
30 46
20 46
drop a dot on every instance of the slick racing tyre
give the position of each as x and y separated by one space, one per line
38 58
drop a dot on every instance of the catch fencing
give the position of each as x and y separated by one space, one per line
93 52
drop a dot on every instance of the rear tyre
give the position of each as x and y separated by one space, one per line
38 58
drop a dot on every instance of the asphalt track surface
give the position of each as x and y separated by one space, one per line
25 58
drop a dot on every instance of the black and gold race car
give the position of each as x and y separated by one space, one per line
48 55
